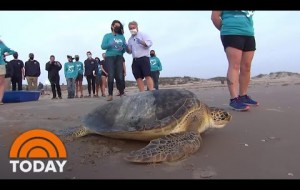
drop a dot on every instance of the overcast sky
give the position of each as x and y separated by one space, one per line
186 42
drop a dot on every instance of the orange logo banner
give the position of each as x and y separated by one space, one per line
38 143
38 150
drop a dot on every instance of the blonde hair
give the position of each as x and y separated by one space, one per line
133 23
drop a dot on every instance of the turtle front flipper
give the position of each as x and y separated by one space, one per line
168 148
74 132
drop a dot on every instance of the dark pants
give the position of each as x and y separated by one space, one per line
155 77
122 86
91 83
123 82
71 87
115 71
55 86
15 81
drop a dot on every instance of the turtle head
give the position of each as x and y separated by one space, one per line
220 117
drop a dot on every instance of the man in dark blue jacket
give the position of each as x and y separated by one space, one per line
90 67
53 67
32 72
18 74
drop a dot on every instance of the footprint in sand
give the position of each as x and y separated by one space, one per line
273 109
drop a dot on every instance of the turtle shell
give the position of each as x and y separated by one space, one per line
158 110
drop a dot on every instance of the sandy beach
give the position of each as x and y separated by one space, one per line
262 143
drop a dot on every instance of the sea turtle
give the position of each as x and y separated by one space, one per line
171 119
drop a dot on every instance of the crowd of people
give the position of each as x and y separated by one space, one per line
237 37
99 74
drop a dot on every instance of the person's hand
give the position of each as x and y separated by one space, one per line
128 48
120 48
123 47
113 44
6 54
139 41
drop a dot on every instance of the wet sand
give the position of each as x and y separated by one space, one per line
262 143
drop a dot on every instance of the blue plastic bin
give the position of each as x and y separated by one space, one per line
20 96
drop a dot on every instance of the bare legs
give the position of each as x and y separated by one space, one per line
2 85
103 84
97 89
99 86
149 82
238 74
140 84
79 88
247 58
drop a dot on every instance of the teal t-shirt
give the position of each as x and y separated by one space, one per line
79 67
155 64
70 69
118 48
237 23
4 49
99 70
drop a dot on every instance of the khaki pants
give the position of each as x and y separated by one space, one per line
7 84
32 83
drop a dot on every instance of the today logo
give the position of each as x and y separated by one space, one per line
37 151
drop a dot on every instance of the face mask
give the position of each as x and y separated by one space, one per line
77 59
152 54
117 30
31 57
133 31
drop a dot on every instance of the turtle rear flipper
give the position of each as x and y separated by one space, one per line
168 148
74 132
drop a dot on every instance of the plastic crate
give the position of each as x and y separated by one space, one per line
20 96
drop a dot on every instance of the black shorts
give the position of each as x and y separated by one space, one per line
141 67
244 43
103 74
79 77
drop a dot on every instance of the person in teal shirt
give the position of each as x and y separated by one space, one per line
115 44
156 67
237 36
4 51
71 72
79 78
